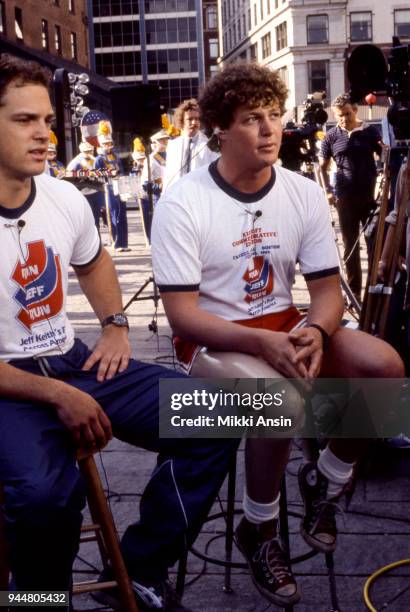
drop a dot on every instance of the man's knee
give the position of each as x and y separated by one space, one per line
37 503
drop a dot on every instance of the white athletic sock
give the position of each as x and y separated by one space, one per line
337 472
260 513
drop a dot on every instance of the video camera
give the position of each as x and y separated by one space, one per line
299 142
368 72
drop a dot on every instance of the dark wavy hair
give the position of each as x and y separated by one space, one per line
186 105
238 84
21 73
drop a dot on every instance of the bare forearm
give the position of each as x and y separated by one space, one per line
20 385
101 287
326 304
206 329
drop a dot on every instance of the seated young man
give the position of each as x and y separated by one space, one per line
57 395
226 240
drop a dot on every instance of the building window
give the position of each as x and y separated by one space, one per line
261 9
57 39
18 23
244 24
360 26
318 76
255 14
266 45
73 45
44 34
317 29
213 69
2 18
254 52
402 23
213 48
211 17
71 6
284 75
281 36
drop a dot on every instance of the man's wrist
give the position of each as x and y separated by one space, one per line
323 333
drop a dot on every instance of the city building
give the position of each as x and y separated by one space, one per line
171 43
308 41
57 27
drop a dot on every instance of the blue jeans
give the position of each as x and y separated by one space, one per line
44 491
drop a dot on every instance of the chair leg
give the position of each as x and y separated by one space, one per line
95 491
230 514
284 524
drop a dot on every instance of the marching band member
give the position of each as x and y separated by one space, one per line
83 165
53 167
111 166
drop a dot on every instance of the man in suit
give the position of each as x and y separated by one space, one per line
190 150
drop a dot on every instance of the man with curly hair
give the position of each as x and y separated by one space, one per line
226 240
190 150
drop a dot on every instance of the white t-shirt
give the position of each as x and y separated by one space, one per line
58 229
240 250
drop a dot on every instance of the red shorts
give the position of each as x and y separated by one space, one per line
278 321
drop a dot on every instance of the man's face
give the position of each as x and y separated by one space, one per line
108 147
346 116
25 120
191 123
253 139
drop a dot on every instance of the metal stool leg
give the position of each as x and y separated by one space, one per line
284 524
230 514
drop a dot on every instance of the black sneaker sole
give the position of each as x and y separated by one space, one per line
276 599
317 544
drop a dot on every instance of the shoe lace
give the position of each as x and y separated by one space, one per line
325 510
273 558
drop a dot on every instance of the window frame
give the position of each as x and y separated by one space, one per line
370 26
309 30
312 89
281 33
396 23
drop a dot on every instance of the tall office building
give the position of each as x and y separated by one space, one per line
155 41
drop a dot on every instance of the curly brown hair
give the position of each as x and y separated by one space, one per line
186 105
238 84
22 73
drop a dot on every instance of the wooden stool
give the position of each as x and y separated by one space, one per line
104 533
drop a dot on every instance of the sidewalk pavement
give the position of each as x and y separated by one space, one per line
374 532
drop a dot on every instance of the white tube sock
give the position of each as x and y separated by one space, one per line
337 472
260 513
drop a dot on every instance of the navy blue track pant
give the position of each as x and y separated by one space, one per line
44 492
117 211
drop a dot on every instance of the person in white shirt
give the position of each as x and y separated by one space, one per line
190 150
225 243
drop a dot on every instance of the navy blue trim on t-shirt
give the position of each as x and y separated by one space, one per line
15 213
246 198
168 288
321 273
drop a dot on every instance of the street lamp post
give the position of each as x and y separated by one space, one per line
78 90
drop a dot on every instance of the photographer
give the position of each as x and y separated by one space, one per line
352 145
